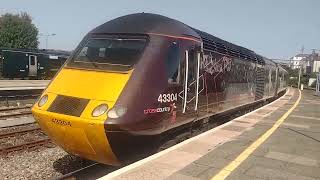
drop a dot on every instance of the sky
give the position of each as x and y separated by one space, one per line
272 28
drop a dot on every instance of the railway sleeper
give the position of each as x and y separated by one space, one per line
15 114
11 134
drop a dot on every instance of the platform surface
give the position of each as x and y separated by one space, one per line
240 149
23 84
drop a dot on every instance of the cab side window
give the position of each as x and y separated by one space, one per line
173 63
191 65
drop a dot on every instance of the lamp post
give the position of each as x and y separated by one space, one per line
47 37
299 76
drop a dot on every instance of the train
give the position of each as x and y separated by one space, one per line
139 78
31 63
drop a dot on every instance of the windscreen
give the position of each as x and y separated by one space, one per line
118 54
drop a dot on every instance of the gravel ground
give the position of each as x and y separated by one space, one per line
20 139
44 163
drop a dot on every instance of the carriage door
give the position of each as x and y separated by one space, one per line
33 65
191 81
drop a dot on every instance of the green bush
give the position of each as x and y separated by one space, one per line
293 82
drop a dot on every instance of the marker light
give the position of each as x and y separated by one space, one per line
99 110
43 100
117 112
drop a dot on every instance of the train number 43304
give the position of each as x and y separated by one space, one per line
163 98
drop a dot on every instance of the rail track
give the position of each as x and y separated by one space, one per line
25 146
73 174
34 144
14 108
92 171
19 94
19 132
18 97
7 112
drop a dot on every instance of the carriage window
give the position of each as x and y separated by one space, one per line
32 60
102 52
172 63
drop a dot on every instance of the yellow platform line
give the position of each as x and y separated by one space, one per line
227 170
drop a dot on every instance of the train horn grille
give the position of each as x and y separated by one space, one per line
68 105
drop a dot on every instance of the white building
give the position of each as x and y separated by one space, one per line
295 61
316 65
310 63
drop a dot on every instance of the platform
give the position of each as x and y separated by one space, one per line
278 141
6 85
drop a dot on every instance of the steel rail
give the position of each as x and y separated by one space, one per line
25 146
13 133
15 114
71 175
15 108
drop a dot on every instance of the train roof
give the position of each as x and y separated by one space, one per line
281 68
147 23
213 43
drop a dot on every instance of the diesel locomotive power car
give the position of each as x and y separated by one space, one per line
136 78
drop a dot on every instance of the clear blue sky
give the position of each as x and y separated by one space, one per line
273 28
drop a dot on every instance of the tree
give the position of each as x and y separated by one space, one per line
18 31
293 76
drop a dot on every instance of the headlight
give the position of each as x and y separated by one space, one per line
117 112
43 100
99 110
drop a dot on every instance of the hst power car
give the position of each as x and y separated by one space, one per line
136 78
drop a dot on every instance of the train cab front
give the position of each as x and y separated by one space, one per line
73 109
104 103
